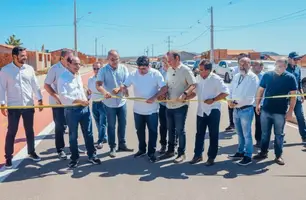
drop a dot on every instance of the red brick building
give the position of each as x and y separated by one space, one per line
227 54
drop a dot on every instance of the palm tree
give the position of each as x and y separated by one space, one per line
12 40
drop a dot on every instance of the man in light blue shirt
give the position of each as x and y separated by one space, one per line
109 80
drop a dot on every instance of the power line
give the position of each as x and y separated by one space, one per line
196 38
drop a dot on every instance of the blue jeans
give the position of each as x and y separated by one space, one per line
99 114
299 113
267 120
243 123
212 121
74 117
176 119
140 124
60 127
112 113
163 124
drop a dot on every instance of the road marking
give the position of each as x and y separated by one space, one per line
23 153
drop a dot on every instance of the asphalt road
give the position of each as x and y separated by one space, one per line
137 179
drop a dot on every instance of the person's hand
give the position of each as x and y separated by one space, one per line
209 101
85 103
151 100
116 90
231 104
289 115
182 98
107 95
89 92
257 109
4 111
40 103
57 100
302 99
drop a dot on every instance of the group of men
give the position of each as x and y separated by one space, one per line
163 101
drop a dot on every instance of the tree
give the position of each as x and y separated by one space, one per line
13 41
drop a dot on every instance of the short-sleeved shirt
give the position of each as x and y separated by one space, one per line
95 95
113 78
145 86
164 73
209 88
52 77
178 80
275 85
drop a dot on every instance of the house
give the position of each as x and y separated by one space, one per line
85 59
184 55
228 54
38 60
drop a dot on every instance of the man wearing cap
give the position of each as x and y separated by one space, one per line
149 84
295 70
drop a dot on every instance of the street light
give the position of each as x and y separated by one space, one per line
76 20
96 46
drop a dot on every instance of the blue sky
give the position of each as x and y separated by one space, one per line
132 25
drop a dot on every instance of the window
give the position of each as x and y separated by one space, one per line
40 57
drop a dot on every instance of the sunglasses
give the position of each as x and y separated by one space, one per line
96 68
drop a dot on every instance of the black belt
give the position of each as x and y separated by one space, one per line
244 107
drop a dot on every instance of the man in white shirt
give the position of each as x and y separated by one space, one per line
71 91
149 84
109 81
18 82
58 113
98 107
180 82
210 90
242 97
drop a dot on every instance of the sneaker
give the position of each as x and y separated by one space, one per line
8 164
196 159
153 158
279 161
260 156
162 149
100 145
139 154
236 156
112 153
73 164
230 128
210 162
245 161
168 154
81 151
179 158
95 161
62 155
34 157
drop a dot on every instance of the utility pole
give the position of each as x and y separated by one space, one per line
75 31
212 58
152 50
102 51
96 48
169 42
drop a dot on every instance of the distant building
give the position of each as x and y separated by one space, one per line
85 59
38 60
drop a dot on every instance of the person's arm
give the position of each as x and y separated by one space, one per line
3 90
223 91
162 85
293 87
191 81
50 78
127 83
36 89
100 82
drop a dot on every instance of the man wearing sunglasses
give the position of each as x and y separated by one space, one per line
98 107
295 70
148 84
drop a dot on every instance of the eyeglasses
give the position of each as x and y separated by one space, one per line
96 68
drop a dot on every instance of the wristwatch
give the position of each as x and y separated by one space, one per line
213 99
185 93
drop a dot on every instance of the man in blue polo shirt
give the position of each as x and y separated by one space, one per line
295 70
275 110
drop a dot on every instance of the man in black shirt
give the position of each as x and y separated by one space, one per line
275 110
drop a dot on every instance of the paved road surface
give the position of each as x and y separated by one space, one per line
127 178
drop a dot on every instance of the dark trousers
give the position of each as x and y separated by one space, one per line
258 132
230 115
212 121
151 121
13 122
176 119
74 117
60 127
99 114
163 124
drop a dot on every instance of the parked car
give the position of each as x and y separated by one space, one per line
195 68
189 63
226 69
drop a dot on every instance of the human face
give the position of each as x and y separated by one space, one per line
21 58
244 65
293 61
280 66
173 62
75 65
143 69
96 68
65 58
257 68
113 60
203 72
